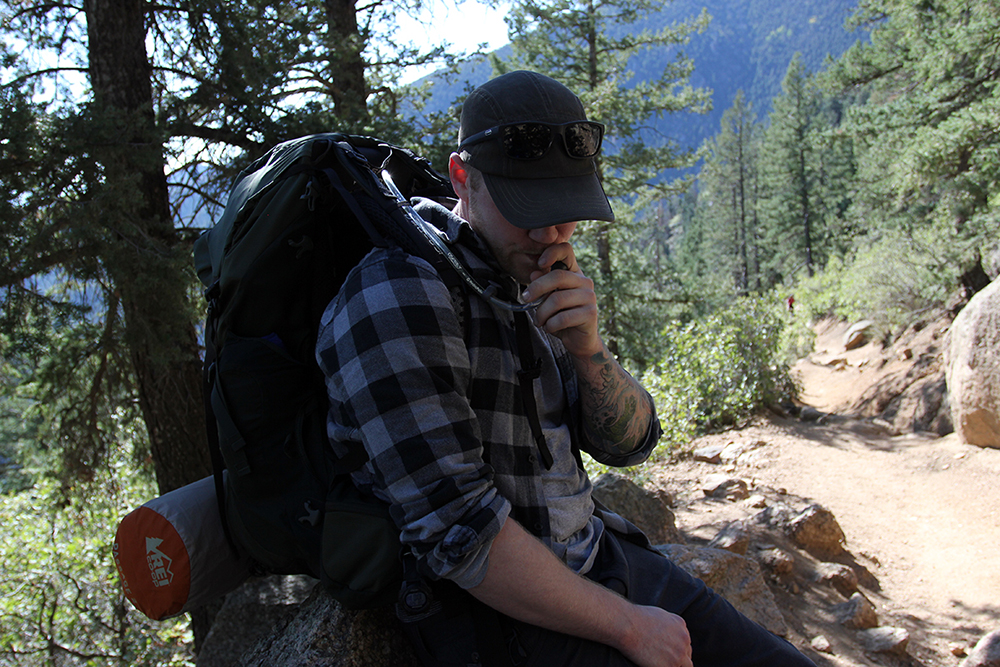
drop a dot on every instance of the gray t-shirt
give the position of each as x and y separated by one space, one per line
566 487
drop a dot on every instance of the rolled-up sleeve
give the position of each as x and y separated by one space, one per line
638 455
398 372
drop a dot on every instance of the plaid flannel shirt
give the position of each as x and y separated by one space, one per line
426 379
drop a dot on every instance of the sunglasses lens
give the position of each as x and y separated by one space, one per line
527 141
583 139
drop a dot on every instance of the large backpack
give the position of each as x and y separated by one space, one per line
298 219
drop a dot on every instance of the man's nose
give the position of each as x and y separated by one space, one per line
550 234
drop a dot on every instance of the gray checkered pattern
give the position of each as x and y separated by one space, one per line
436 402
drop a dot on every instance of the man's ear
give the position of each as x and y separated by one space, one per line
459 175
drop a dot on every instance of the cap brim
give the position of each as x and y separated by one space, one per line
531 203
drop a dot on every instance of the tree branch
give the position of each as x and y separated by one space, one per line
42 72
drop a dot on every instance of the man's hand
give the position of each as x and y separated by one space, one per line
570 307
617 411
660 639
526 581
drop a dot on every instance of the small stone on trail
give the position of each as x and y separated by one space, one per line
821 644
858 613
709 453
885 640
724 486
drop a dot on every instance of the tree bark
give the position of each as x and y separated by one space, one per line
346 78
144 257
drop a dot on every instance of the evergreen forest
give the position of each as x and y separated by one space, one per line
847 158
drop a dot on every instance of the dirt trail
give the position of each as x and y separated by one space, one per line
921 513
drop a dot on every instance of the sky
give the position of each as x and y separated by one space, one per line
464 23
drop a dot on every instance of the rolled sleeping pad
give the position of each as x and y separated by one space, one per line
172 553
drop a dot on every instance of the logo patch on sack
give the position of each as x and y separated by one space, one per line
159 563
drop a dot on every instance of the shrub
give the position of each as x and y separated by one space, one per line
719 370
60 597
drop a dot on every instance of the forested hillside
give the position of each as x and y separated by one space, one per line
865 188
747 46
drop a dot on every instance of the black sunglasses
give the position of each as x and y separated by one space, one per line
532 140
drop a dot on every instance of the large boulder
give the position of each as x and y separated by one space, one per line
736 578
324 634
643 508
973 369
250 612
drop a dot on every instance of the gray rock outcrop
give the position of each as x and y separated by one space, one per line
973 369
736 578
324 634
250 612
643 508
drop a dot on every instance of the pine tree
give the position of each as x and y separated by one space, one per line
103 181
99 304
926 138
790 203
587 45
728 192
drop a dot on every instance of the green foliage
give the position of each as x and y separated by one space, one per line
60 598
927 142
719 370
18 431
891 280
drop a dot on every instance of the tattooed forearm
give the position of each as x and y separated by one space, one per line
616 409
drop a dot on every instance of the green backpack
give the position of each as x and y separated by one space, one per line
298 219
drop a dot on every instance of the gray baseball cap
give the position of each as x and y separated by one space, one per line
530 137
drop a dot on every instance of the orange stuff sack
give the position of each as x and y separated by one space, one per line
172 553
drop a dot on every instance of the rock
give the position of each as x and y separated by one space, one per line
821 644
923 404
733 537
734 450
841 577
775 515
250 612
811 414
972 362
736 578
709 453
641 507
324 634
723 486
857 334
987 650
816 530
857 613
885 640
775 561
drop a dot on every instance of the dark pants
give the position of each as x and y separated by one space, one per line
466 632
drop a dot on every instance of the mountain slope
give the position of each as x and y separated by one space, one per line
747 46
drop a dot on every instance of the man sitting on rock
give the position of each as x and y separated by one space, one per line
473 414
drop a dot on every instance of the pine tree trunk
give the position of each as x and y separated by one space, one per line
144 257
347 86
